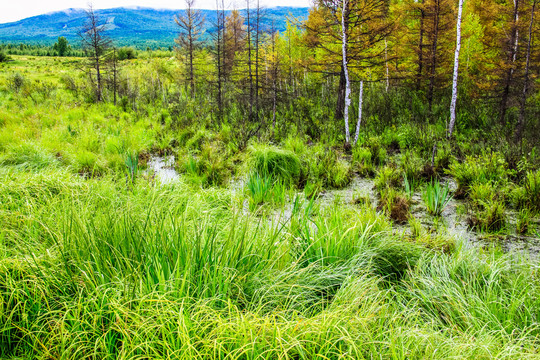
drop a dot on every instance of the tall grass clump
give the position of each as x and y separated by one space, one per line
324 166
436 197
276 163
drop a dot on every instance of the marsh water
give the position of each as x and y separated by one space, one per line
453 219
163 169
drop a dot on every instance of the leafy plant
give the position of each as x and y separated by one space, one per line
436 198
132 165
410 185
532 189
487 206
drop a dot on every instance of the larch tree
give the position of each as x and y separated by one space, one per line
348 38
191 24
95 44
526 78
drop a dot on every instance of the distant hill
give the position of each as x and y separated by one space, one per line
135 26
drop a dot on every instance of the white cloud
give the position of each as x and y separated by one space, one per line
20 9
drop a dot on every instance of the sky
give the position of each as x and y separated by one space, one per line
13 10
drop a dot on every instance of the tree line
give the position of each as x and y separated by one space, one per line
464 63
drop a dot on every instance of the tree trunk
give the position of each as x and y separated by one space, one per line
511 59
456 69
360 103
98 78
386 64
521 120
434 54
420 49
250 74
345 70
340 105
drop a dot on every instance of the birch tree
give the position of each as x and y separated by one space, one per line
456 70
345 70
360 103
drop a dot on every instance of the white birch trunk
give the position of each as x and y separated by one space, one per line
360 103
346 71
456 68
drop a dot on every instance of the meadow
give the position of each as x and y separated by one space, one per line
291 247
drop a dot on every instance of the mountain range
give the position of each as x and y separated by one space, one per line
133 26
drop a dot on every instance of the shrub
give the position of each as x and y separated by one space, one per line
210 167
387 177
324 166
532 190
127 53
436 198
412 165
16 82
482 169
523 221
487 206
3 57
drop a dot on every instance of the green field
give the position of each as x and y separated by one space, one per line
291 247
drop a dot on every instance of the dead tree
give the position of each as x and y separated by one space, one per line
191 24
95 44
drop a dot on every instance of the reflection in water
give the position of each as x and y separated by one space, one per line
163 169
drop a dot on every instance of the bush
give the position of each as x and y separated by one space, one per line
488 208
387 177
3 57
482 169
362 161
16 82
210 167
532 190
127 53
324 166
412 165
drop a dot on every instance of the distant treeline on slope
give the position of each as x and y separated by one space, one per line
139 27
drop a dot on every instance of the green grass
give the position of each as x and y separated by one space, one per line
176 272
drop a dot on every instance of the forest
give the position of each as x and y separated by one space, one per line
362 185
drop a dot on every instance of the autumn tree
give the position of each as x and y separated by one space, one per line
234 41
364 24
